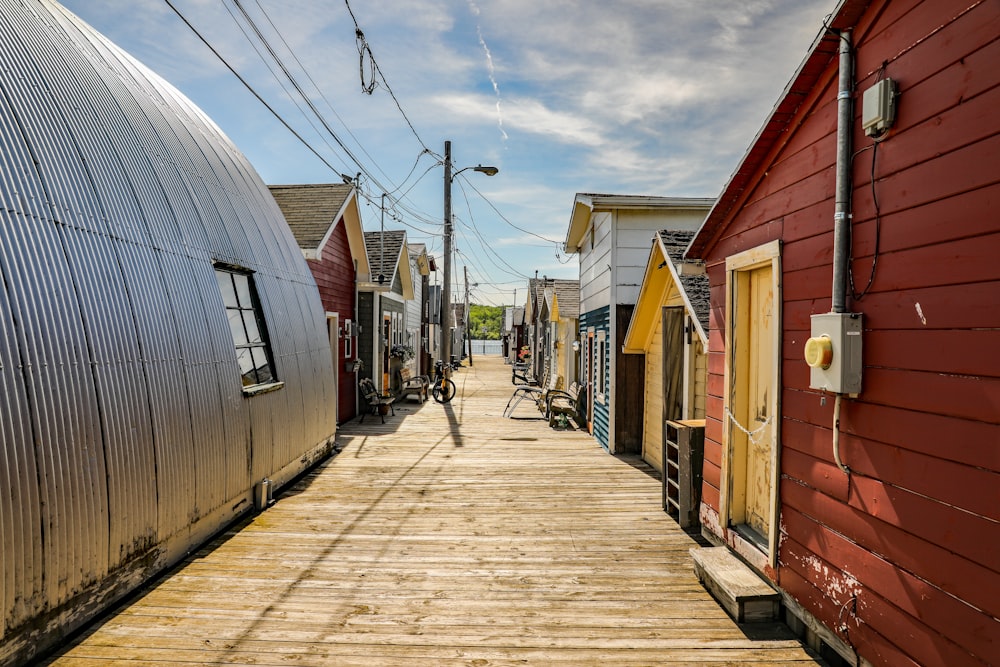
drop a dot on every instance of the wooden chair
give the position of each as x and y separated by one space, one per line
376 399
519 375
535 394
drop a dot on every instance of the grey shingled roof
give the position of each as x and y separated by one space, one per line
567 293
696 287
311 210
383 252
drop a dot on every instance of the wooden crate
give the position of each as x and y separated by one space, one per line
683 451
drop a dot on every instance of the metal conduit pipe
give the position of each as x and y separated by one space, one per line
842 203
842 206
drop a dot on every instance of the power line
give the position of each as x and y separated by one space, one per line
329 105
250 88
360 36
503 217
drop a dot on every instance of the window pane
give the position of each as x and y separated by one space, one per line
225 280
236 327
243 290
246 326
245 359
250 322
262 366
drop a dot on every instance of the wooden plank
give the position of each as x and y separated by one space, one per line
447 536
746 596
948 551
915 605
871 577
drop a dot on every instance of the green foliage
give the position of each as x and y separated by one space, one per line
489 316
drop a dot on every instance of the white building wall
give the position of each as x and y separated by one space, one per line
413 314
635 230
595 263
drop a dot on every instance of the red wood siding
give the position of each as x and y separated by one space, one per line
334 274
902 558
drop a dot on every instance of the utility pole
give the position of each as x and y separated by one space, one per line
446 314
468 332
446 285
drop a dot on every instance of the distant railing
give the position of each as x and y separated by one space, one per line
487 347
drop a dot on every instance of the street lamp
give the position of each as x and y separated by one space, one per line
446 288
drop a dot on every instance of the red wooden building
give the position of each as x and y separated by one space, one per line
326 222
866 484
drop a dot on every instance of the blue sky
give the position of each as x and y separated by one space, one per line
642 97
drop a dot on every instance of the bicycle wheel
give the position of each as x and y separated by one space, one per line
443 391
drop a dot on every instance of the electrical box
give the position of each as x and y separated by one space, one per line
833 353
878 108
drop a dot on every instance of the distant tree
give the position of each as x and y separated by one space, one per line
489 316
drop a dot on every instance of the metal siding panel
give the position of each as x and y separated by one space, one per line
54 347
119 319
20 553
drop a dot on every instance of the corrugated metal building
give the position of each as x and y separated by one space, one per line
162 343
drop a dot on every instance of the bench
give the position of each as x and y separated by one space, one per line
412 385
378 403
570 402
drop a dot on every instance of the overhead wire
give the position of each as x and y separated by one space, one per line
361 36
319 116
322 96
299 90
278 80
504 218
251 88
398 206
486 245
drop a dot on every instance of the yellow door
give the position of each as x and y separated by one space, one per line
759 401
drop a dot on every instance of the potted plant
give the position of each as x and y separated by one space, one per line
402 352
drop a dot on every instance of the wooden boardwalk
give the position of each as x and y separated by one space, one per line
447 536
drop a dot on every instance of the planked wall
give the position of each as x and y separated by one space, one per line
905 552
335 275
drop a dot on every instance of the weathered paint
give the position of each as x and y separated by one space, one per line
899 558
126 435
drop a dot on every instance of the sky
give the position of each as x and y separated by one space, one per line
631 97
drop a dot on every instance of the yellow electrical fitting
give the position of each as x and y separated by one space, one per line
819 352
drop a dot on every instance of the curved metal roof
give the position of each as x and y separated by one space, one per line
124 432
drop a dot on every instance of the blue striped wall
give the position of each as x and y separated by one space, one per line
600 320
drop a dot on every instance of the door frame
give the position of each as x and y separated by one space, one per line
334 334
745 262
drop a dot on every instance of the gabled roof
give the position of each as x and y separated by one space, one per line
566 291
585 204
418 254
312 212
668 280
696 288
778 128
386 251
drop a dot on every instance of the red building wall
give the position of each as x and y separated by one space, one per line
902 557
334 274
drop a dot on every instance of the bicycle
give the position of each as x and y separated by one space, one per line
442 389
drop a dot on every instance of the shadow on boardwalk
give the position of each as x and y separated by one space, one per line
447 536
